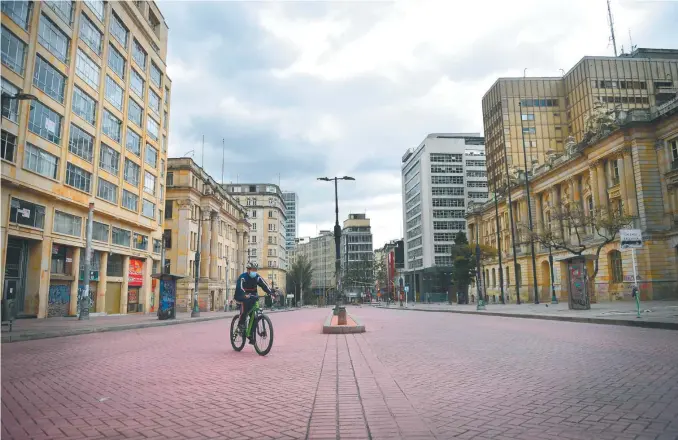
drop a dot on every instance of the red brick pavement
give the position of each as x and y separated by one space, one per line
413 375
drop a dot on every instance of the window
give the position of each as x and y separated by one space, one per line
529 130
149 183
446 158
130 200
614 164
157 246
539 102
62 8
133 142
134 112
67 224
87 69
100 231
153 128
148 209
528 116
80 143
90 34
154 102
164 122
475 163
48 79
18 11
156 76
107 191
477 195
167 93
114 265
114 93
442 169
84 105
169 207
170 179
477 185
97 6
615 265
139 54
118 30
27 214
10 107
476 174
109 159
131 174
54 40
271 227
162 167
164 142
447 180
116 61
13 51
121 237
78 178
45 122
8 146
136 83
151 156
111 126
140 242
40 161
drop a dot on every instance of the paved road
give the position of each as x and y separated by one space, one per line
414 375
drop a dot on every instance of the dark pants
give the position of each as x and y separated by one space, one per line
246 305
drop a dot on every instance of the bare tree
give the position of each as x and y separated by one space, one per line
575 231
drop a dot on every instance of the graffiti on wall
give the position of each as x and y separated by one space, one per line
81 295
59 300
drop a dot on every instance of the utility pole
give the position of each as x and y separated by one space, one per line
84 299
501 268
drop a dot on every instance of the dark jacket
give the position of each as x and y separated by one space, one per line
247 285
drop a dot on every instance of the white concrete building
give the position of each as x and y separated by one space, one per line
439 178
291 226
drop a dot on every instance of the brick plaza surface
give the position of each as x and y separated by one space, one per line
413 375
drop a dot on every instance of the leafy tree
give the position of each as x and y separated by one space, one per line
300 278
575 231
380 273
464 264
358 275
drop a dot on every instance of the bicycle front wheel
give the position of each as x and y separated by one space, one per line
237 339
263 335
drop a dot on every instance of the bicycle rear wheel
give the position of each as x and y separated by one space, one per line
237 339
263 335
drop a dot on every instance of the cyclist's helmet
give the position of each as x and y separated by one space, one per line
252 265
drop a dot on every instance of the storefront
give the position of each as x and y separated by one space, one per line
135 282
62 276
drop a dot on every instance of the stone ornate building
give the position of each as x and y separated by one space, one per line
193 196
631 168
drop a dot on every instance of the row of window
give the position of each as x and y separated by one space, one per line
31 214
624 99
449 225
539 102
446 158
446 169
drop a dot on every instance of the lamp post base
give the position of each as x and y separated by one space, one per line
554 300
195 312
481 305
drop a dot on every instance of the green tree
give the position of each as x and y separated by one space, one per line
358 275
380 273
300 278
464 264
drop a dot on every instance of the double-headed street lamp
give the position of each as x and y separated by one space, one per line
337 230
18 97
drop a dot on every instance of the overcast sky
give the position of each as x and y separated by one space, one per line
313 88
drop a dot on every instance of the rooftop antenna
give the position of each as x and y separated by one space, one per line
609 15
631 41
223 158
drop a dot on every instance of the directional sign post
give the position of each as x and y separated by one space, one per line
633 239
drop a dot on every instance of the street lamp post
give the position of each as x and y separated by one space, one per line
18 97
337 232
501 268
529 210
479 273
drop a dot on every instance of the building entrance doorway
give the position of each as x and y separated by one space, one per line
16 264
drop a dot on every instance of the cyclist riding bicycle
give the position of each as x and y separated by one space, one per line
246 293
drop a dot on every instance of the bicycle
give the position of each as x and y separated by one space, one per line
257 321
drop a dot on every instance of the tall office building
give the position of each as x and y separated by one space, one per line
85 112
543 112
439 178
291 227
357 254
320 252
266 215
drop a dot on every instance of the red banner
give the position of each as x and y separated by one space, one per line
136 272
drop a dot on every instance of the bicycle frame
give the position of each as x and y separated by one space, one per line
252 315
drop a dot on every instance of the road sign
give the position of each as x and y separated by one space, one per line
631 238
407 289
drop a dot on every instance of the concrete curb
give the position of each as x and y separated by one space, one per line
8 337
623 322
330 329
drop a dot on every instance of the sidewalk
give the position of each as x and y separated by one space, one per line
654 314
28 329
